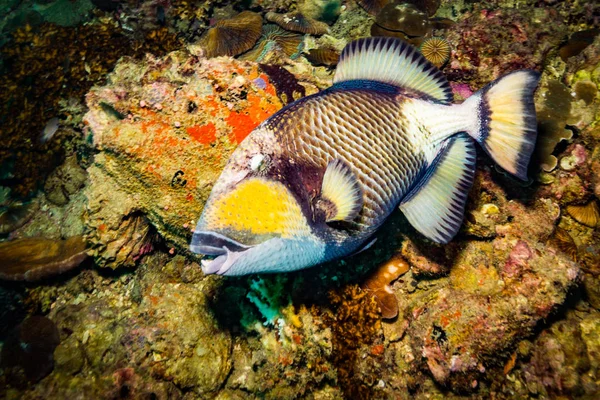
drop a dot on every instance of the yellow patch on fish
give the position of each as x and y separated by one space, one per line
260 207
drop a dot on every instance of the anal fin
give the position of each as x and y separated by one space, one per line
341 196
436 205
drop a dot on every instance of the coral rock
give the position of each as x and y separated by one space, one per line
69 356
31 347
458 342
488 43
65 181
32 259
157 166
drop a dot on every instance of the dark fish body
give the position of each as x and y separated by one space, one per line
316 180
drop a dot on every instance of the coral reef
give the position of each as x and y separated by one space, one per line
490 42
70 60
508 309
142 336
355 325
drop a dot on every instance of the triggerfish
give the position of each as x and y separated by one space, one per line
315 181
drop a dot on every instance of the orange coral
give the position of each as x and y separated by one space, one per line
258 110
204 134
378 285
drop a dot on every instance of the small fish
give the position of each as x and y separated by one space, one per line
50 130
315 181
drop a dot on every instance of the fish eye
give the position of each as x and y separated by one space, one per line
256 162
260 163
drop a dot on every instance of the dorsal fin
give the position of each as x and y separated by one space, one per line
341 195
392 61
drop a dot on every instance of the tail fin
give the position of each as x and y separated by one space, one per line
507 126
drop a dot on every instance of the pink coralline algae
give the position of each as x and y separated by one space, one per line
517 259
461 90
490 43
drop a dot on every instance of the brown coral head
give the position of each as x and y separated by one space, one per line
297 22
378 284
15 215
32 259
405 18
323 56
31 346
233 36
372 6
588 215
578 42
436 50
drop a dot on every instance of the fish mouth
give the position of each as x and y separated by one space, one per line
226 250
214 244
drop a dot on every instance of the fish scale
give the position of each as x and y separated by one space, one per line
363 128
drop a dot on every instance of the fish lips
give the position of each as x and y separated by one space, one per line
226 250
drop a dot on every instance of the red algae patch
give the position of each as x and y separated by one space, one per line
204 134
32 259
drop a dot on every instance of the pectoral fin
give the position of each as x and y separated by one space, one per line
436 205
341 196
